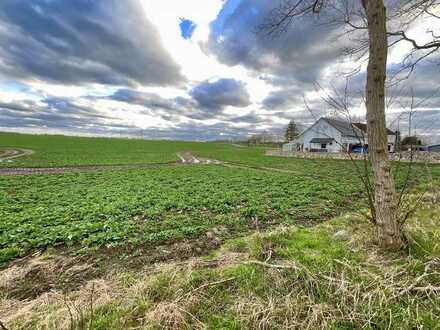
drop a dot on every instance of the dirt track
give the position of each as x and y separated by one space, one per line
11 153
75 169
186 158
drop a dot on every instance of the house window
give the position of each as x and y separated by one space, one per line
323 146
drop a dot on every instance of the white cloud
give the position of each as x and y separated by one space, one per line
196 65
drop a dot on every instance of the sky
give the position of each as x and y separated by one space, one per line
189 69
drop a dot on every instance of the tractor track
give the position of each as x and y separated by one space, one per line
12 153
186 158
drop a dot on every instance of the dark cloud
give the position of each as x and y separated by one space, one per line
169 109
82 41
196 130
300 54
149 100
54 113
283 99
205 101
221 93
249 119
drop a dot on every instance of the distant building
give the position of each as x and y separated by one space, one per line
334 135
412 143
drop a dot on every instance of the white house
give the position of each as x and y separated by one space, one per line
335 135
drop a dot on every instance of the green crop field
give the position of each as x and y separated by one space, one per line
158 205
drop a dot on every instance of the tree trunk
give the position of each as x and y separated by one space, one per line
388 228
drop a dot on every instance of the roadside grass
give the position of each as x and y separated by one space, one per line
289 278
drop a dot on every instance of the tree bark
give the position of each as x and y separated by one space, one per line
388 228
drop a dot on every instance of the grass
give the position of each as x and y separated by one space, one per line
291 277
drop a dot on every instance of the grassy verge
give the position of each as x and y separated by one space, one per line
289 278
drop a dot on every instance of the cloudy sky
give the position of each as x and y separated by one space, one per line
190 69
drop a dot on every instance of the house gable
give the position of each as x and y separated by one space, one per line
324 132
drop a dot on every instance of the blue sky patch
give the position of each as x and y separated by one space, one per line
187 28
228 9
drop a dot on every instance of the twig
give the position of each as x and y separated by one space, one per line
269 255
69 310
2 326
212 284
265 264
191 315
414 286
426 288
204 286
91 305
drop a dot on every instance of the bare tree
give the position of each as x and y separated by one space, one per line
371 16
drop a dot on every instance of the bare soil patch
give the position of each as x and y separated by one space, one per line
39 273
43 272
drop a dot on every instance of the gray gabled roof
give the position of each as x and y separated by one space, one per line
344 127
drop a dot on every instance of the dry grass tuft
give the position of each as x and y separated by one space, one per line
173 315
55 310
